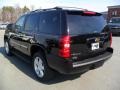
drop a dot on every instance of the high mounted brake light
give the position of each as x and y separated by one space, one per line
64 50
89 13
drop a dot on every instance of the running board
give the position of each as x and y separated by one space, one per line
22 56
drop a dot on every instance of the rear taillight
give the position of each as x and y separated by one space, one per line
64 48
110 39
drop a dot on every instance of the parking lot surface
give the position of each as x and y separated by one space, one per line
15 74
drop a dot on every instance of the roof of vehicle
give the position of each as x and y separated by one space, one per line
59 8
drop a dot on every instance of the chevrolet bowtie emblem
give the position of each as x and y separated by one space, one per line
97 39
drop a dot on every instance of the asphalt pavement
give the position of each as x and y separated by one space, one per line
15 74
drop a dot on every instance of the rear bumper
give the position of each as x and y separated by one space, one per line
69 67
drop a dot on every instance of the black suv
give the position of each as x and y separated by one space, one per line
65 40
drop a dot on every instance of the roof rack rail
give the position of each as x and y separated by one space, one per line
58 8
70 8
43 9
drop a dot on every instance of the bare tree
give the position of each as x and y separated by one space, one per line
7 14
10 14
18 13
25 9
0 15
32 7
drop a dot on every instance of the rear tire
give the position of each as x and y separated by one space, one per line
41 68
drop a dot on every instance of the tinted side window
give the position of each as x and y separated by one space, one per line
31 22
20 23
49 23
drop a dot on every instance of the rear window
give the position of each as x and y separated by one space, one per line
78 24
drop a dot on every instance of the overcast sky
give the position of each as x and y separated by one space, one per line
94 5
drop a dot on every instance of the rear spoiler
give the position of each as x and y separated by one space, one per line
84 13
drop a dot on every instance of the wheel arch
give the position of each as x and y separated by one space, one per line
36 48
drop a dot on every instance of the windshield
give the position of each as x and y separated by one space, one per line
78 24
115 20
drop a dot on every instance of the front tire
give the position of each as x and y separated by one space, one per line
41 68
7 48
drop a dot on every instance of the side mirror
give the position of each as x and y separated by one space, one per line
10 27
